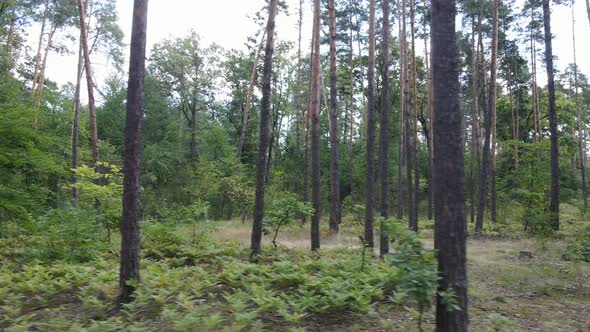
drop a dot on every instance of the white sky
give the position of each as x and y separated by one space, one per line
226 23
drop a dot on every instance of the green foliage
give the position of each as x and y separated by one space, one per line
417 271
203 286
101 191
284 212
579 248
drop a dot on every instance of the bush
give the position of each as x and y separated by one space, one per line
579 248
68 234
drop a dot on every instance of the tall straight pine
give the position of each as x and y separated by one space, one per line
264 132
449 178
130 232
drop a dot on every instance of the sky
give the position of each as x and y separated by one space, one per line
228 23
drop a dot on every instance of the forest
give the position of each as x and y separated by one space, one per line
400 165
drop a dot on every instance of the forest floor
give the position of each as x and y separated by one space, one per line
197 277
514 284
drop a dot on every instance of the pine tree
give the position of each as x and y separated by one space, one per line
450 219
130 232
255 245
370 153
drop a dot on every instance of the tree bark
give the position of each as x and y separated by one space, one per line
315 131
384 134
475 122
89 83
298 95
370 153
430 133
308 131
450 219
249 97
485 153
554 196
39 47
492 107
76 123
351 125
415 107
264 132
409 150
334 145
580 116
130 228
401 116
41 83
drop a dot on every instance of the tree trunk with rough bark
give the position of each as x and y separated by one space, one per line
130 228
401 116
39 47
370 153
450 219
256 240
246 114
76 123
334 145
485 152
351 125
298 96
554 196
89 83
315 131
492 107
41 83
415 107
580 116
474 123
384 134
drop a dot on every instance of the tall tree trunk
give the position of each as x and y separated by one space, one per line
514 112
363 127
492 106
535 92
554 199
308 132
249 97
384 134
588 10
334 145
39 47
370 153
76 123
41 83
193 127
351 126
264 132
10 37
315 131
475 122
430 132
485 153
298 95
130 232
450 220
415 107
401 116
89 83
407 124
581 118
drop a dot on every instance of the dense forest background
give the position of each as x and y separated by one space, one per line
62 147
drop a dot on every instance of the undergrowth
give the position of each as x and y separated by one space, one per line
190 282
